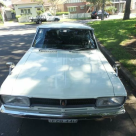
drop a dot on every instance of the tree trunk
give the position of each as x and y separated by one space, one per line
127 10
103 5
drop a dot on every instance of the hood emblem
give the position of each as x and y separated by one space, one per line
63 102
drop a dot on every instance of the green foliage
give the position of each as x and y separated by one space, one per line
39 12
97 3
13 11
18 16
1 19
2 4
110 9
61 13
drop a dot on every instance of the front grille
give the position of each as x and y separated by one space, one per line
80 101
57 102
39 101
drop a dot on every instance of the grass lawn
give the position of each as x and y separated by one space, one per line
119 37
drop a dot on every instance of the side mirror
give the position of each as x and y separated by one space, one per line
116 66
10 65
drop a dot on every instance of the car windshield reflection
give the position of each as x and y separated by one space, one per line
66 39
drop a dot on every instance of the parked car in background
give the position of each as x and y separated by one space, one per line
98 14
63 78
47 16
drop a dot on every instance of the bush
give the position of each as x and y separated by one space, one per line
13 11
39 12
61 13
1 19
110 9
18 16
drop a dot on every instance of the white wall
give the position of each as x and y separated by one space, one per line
26 6
80 15
133 4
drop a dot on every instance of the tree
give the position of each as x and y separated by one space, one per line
127 10
55 3
97 3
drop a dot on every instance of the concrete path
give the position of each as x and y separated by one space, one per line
11 23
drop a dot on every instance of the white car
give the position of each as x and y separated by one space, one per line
47 16
63 78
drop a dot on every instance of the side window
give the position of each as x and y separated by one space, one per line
22 11
29 11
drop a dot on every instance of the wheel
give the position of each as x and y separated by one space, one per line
37 22
40 21
56 19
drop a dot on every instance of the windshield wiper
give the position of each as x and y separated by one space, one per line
79 49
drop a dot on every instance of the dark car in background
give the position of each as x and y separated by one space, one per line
98 14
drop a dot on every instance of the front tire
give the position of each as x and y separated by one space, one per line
56 19
40 21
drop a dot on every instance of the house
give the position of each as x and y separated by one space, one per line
73 6
26 7
119 5
133 6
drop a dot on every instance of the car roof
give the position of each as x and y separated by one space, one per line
65 25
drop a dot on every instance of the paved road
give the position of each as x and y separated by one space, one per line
14 42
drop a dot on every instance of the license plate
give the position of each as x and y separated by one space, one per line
62 120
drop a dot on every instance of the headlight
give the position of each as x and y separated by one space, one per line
16 100
110 101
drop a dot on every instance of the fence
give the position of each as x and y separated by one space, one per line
80 15
23 19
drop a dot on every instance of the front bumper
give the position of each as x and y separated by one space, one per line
79 114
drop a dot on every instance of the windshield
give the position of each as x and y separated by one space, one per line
49 14
64 39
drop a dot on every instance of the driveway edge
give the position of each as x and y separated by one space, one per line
124 72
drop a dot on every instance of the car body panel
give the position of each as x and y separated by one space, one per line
62 74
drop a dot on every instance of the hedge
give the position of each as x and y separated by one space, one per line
61 13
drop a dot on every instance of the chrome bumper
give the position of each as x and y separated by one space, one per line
94 114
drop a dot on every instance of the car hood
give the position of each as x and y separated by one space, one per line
63 75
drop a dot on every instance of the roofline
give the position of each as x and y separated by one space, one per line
26 3
87 27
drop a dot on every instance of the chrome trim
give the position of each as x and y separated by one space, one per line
37 114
